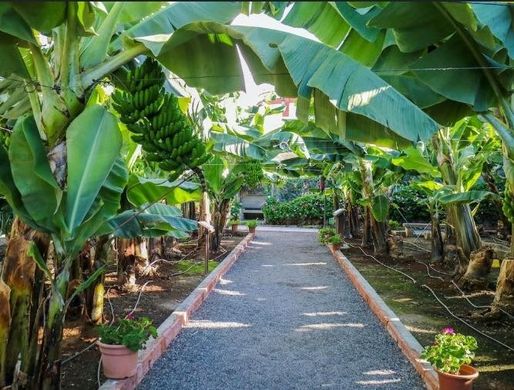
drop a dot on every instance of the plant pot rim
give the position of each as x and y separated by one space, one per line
473 375
113 346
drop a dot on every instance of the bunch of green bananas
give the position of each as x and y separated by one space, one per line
157 122
508 205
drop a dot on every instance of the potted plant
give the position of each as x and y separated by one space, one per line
451 355
335 242
119 343
325 233
252 225
234 216
234 223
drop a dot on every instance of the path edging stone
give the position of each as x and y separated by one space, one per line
410 347
172 325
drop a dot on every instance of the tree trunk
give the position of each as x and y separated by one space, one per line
479 267
94 295
127 262
221 210
5 322
367 240
504 298
437 253
19 274
379 235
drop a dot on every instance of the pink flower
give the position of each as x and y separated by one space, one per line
448 330
130 316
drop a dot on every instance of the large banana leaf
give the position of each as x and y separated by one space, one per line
288 60
31 172
93 144
141 190
156 220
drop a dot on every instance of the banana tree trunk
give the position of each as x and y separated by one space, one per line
367 239
94 295
19 274
221 210
379 235
437 253
5 322
459 215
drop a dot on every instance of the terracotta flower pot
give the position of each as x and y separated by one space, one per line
118 361
461 381
251 230
335 247
235 227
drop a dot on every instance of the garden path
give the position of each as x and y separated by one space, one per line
284 317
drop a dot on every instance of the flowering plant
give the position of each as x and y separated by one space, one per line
450 351
131 332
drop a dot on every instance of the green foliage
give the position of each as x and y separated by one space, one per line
409 203
132 333
292 188
252 223
235 209
307 209
335 240
325 233
253 174
450 350
394 225
190 268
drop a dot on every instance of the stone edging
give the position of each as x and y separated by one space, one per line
172 326
410 347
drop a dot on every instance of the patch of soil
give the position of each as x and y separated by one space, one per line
424 316
163 293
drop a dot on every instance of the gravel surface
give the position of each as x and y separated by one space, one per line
284 317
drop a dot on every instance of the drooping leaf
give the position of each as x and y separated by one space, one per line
93 144
141 190
213 172
380 207
465 197
414 160
31 172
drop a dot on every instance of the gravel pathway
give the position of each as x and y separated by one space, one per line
284 317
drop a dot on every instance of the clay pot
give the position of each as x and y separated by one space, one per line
251 230
235 227
461 381
335 247
118 361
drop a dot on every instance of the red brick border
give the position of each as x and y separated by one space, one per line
405 340
172 326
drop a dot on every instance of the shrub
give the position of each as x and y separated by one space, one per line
307 209
335 240
252 223
325 234
394 225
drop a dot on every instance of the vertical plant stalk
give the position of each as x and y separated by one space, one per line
437 245
459 215
378 229
5 323
19 272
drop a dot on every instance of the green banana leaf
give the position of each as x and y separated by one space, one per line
31 173
141 191
93 145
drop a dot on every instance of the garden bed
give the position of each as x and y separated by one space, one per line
424 316
164 292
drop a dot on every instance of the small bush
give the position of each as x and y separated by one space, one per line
335 240
132 333
394 225
325 234
252 223
307 209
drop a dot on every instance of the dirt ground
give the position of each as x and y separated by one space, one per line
164 292
424 316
